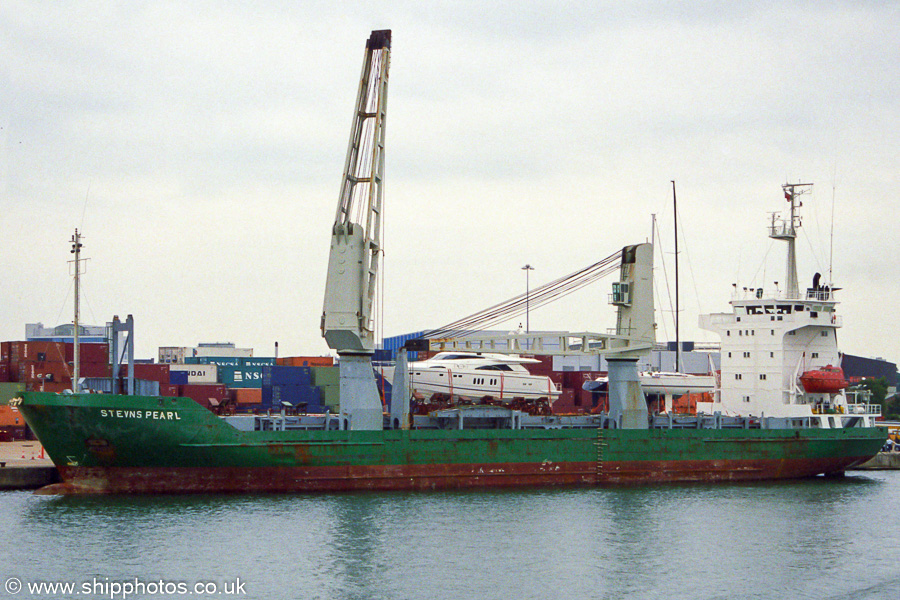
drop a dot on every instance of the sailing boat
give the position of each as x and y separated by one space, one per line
671 391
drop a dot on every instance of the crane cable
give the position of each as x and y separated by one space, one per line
517 305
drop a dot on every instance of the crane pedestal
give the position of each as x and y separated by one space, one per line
361 408
627 405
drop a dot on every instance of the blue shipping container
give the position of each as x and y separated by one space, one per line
278 375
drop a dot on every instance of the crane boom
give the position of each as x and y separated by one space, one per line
347 317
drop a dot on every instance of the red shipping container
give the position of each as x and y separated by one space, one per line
38 371
54 387
89 353
5 351
204 393
4 372
48 351
168 390
565 404
150 372
94 370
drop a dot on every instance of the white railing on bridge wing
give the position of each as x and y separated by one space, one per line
864 409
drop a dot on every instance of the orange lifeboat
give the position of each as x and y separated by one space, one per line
827 380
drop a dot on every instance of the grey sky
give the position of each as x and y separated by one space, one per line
199 145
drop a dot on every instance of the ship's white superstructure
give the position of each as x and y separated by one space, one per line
771 339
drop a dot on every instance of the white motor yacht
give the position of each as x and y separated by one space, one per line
475 375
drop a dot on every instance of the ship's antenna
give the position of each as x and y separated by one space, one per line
831 236
84 209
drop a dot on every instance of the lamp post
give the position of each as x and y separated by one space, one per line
527 268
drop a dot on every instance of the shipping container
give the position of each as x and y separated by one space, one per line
178 377
95 384
306 361
146 387
292 394
54 387
168 390
11 417
198 373
241 377
88 353
8 391
246 396
257 361
331 396
282 375
39 351
147 371
94 370
44 371
208 395
4 372
325 375
219 361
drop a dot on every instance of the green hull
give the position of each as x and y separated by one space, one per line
107 443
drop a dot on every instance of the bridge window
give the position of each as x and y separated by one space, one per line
762 376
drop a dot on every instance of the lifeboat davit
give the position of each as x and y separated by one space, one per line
827 380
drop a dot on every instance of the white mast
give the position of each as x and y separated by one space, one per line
76 250
786 229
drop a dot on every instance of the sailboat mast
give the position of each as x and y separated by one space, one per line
677 305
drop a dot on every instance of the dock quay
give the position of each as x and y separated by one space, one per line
881 462
25 466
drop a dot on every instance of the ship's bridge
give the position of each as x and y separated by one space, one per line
817 308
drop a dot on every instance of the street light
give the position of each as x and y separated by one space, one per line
527 268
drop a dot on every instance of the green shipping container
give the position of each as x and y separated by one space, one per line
241 377
257 362
322 376
331 396
8 391
219 361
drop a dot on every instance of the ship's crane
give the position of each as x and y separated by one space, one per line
347 317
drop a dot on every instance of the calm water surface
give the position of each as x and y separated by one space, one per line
807 539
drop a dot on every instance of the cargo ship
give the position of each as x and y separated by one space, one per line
110 443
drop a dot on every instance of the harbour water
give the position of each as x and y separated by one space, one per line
800 539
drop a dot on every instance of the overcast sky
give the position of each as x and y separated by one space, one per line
199 146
